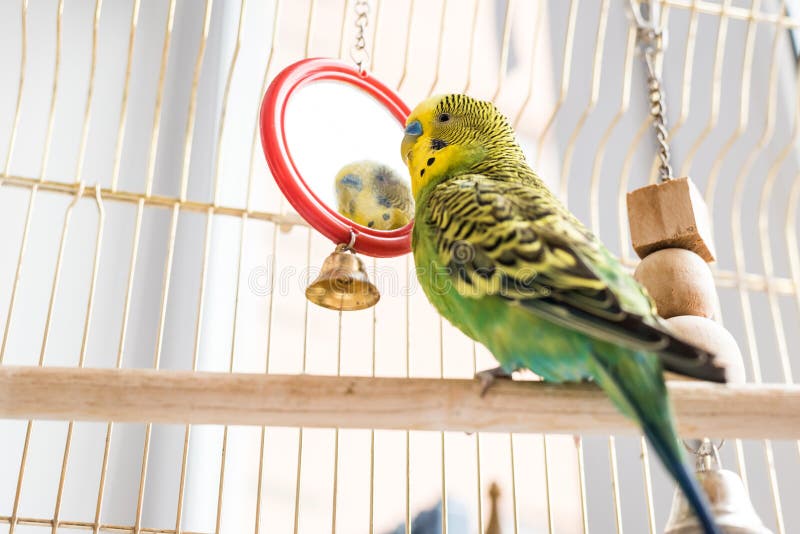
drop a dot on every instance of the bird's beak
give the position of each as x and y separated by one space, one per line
412 132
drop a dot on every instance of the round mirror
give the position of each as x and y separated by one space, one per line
331 138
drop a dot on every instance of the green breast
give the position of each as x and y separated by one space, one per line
516 337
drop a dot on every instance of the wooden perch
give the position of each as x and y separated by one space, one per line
139 395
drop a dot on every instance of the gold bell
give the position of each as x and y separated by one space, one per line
727 497
343 283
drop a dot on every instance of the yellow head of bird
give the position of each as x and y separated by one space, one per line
373 195
452 134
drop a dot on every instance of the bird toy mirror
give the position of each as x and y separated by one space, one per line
354 193
330 133
359 185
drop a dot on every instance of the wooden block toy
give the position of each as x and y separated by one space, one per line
671 214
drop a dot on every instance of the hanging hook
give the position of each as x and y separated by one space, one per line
342 247
651 33
706 453
651 36
647 13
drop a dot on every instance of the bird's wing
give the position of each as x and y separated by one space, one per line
516 241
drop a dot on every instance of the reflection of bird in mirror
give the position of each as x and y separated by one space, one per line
373 195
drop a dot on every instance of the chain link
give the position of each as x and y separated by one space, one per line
652 40
658 112
358 52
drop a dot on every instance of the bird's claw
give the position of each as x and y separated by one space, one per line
488 376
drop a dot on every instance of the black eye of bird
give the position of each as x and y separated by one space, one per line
444 117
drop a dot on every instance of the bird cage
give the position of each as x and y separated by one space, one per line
161 370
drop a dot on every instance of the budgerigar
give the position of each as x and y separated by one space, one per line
372 194
501 258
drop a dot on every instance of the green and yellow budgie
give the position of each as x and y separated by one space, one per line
502 259
373 195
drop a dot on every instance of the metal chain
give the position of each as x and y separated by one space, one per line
651 37
358 52
658 112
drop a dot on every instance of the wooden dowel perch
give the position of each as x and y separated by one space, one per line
139 395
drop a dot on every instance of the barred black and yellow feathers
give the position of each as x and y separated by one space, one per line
509 239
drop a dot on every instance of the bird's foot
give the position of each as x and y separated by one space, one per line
488 376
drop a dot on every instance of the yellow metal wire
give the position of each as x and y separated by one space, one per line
98 6
120 351
407 518
471 54
254 137
23 63
594 94
51 117
749 326
126 86
151 158
566 70
534 49
439 47
302 369
625 100
744 108
504 47
716 91
406 56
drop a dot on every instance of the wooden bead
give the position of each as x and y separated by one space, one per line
679 281
670 215
711 336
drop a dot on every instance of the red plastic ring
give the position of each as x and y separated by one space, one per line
337 228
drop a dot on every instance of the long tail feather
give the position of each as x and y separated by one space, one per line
635 384
674 464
